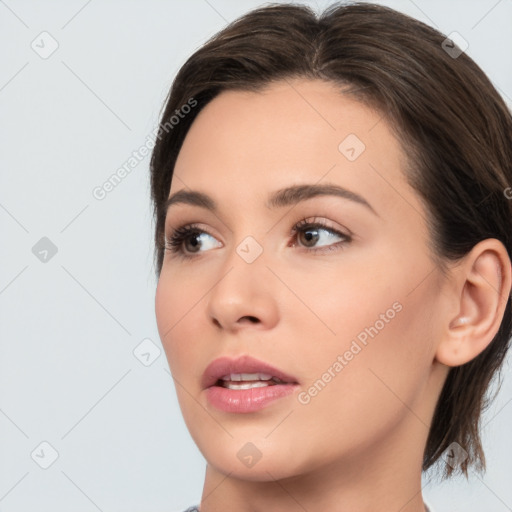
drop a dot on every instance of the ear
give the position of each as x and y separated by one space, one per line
480 291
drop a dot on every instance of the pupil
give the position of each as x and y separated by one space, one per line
309 237
193 241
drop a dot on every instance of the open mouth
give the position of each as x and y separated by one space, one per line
245 384
244 372
248 381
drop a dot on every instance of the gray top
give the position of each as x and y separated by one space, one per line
196 509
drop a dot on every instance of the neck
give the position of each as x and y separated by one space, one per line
383 476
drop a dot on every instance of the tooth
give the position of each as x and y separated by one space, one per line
250 376
247 376
247 385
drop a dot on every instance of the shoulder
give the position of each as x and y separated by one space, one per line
195 509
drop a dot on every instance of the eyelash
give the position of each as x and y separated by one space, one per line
174 243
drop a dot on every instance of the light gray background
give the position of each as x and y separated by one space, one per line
69 326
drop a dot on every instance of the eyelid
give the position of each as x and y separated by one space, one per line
186 229
175 241
321 223
311 223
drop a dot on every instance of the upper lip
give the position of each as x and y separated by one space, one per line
243 364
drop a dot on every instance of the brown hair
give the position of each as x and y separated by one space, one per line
453 125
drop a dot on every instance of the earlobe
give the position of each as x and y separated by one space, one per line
482 289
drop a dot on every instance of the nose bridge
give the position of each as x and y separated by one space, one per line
248 251
245 286
244 270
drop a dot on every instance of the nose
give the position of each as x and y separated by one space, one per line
244 297
248 319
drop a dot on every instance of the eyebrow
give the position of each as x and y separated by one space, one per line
284 197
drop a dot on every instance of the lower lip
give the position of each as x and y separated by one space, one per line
247 400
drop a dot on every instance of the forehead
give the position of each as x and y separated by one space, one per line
292 132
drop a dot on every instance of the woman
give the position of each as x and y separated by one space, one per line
333 240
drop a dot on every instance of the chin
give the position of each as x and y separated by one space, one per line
261 471
247 460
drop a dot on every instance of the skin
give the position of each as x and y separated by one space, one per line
357 445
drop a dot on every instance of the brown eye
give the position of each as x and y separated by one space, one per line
311 234
187 241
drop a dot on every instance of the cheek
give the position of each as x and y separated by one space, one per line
164 305
172 307
177 296
373 336
372 387
381 301
180 315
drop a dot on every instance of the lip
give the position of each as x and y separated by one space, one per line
247 400
243 364
244 400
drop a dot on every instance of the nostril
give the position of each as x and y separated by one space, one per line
251 319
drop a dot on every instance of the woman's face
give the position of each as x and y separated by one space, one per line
350 316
